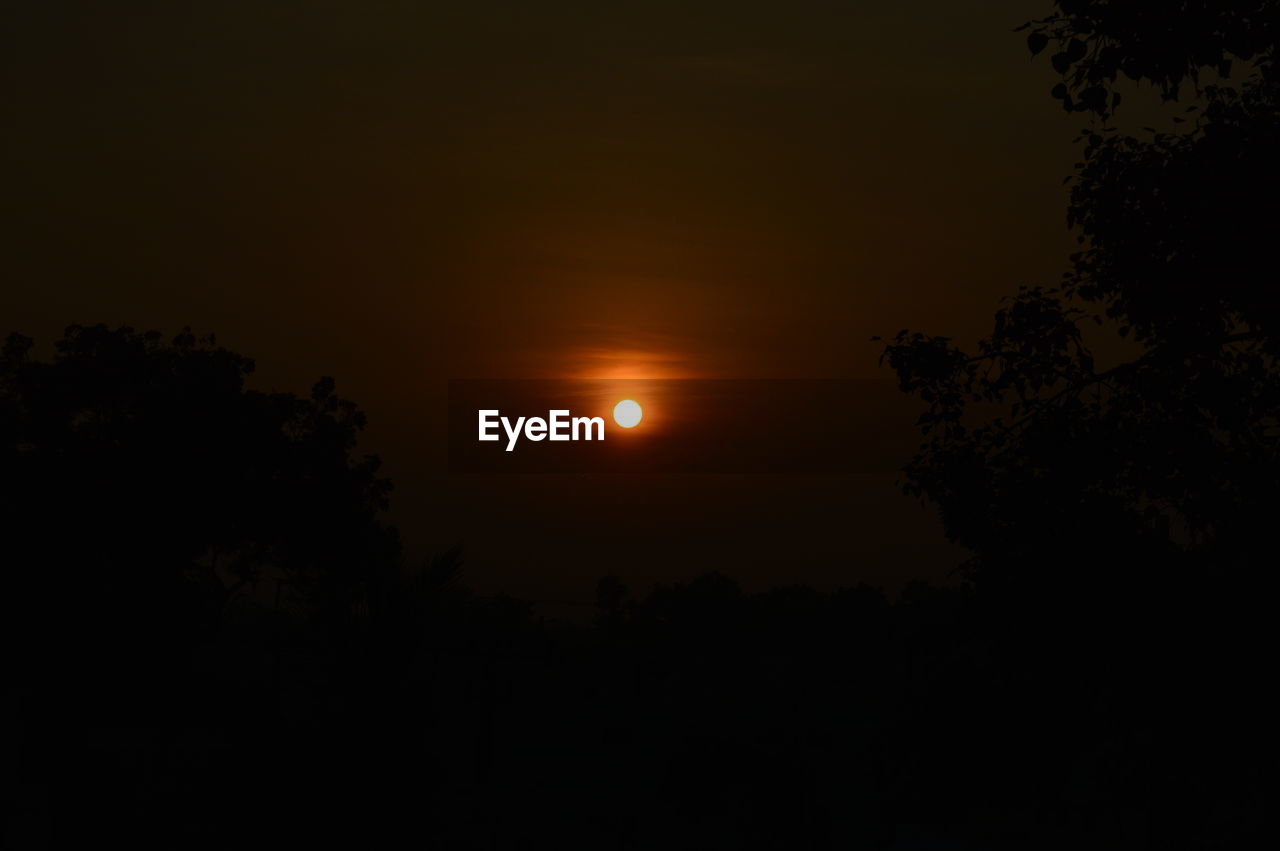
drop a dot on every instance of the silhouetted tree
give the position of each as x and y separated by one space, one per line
1034 445
611 593
1110 453
145 484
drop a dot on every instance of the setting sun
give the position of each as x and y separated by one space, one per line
627 413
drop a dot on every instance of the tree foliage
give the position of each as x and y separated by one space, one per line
1043 444
1167 44
145 483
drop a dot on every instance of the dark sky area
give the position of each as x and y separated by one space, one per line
400 193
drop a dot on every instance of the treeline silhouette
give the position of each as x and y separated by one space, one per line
213 643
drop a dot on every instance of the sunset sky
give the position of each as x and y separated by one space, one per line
401 193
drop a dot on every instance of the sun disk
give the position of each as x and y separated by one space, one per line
627 413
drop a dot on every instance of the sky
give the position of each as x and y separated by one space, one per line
402 193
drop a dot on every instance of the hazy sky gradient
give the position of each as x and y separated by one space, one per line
397 193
